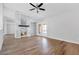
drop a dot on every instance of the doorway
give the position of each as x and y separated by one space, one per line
42 29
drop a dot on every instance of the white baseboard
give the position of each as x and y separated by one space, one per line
66 40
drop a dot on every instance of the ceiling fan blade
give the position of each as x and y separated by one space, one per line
41 9
32 9
32 5
40 4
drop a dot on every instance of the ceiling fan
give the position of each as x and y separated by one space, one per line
37 7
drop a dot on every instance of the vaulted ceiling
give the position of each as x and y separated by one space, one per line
52 9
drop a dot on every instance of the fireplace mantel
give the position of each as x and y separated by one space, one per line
23 25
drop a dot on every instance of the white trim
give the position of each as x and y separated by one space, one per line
71 41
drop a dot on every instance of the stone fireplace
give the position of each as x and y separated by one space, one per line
22 25
23 30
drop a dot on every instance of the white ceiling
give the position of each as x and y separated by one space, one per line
52 9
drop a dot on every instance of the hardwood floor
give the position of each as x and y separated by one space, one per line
37 45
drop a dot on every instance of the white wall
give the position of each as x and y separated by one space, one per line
9 13
10 28
65 25
1 13
33 27
9 20
9 25
1 25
